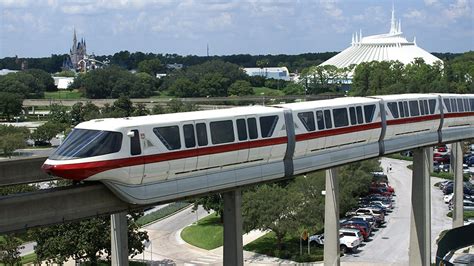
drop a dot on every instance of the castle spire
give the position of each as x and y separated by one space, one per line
400 26
393 23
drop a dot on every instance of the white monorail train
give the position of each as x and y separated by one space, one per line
155 158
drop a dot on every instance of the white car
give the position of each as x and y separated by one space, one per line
447 198
347 241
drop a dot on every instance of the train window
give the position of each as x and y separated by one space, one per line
252 125
189 138
340 117
472 104
432 105
352 115
267 125
241 129
414 108
422 107
405 109
320 119
427 111
466 105
454 106
201 132
369 111
135 148
402 111
448 104
460 105
307 118
360 117
327 118
222 132
81 143
169 136
393 109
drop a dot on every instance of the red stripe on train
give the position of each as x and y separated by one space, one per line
412 119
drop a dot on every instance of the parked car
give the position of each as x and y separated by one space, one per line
359 227
442 158
467 189
378 215
467 205
368 218
363 224
347 242
469 159
352 232
449 198
383 185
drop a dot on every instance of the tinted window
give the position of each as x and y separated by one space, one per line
267 125
460 105
241 129
81 143
422 108
222 132
352 115
432 104
340 117
448 104
307 118
252 124
454 106
360 117
393 109
135 148
327 119
189 138
402 111
369 111
201 134
169 136
320 120
466 105
472 104
426 107
414 109
405 108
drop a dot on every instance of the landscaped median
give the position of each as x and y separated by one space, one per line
208 234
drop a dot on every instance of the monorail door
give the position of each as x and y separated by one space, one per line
137 139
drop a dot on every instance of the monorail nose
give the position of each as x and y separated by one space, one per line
47 168
65 171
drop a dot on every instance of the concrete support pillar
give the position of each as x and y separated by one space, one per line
431 160
119 238
420 229
456 163
331 220
233 248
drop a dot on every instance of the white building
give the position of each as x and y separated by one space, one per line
269 72
7 71
63 83
382 47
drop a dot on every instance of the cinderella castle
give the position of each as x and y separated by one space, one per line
77 53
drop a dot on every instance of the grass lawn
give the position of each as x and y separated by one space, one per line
30 258
398 156
467 215
62 94
267 92
208 233
171 208
267 245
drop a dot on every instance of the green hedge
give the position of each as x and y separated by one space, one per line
467 215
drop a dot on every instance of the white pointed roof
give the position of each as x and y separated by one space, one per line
381 47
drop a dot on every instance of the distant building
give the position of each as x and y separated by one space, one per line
269 72
63 83
381 47
7 71
78 59
174 66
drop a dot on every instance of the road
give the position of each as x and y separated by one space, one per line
389 246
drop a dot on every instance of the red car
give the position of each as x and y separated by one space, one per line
383 185
362 230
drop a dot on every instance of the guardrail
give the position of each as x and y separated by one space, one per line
23 171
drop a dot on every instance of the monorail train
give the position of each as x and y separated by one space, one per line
155 158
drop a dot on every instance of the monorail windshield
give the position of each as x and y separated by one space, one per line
82 143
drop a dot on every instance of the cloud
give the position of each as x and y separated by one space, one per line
431 2
220 22
415 14
459 9
330 8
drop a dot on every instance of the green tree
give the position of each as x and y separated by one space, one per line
43 78
269 207
124 106
293 89
59 114
88 239
10 104
47 131
151 66
9 250
240 88
140 110
213 202
12 138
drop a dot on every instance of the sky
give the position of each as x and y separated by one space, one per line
39 28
